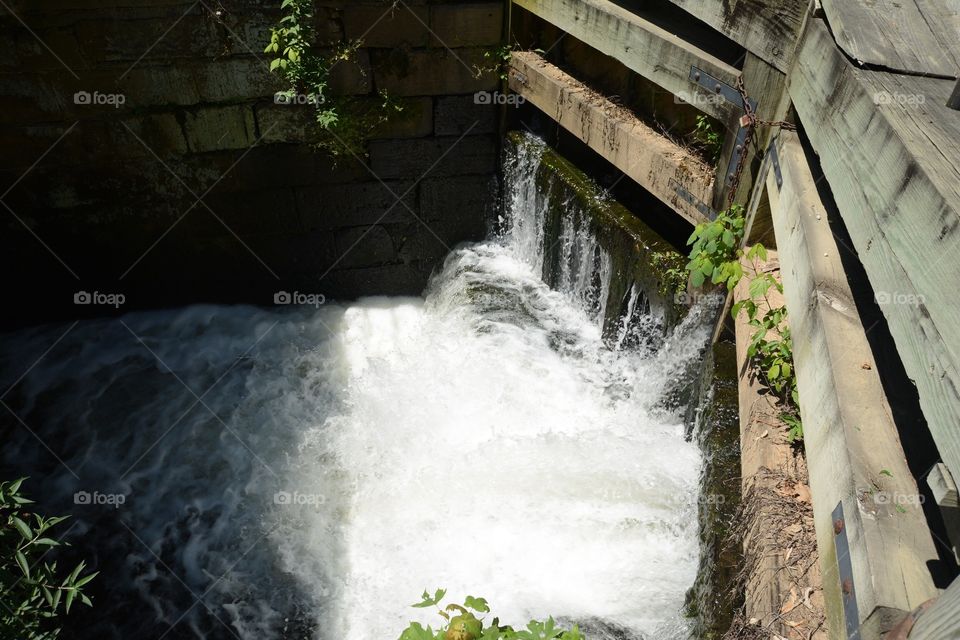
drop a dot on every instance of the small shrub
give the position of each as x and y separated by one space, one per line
461 622
32 590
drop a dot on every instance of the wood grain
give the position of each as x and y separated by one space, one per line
913 36
894 169
852 444
655 162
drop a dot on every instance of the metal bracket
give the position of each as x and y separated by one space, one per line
697 204
731 95
775 161
848 590
720 88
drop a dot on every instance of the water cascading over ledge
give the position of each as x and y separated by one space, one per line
498 437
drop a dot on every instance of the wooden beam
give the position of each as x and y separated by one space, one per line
766 28
919 36
890 150
775 479
942 619
655 162
852 444
654 53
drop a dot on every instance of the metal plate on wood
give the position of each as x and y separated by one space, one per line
739 148
698 204
848 591
775 162
720 88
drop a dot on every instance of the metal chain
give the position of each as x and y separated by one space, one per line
751 122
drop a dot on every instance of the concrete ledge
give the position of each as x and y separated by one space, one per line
852 444
650 159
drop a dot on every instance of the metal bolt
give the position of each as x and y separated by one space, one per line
739 148
731 176
696 75
837 526
718 88
847 586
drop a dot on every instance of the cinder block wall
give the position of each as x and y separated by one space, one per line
198 187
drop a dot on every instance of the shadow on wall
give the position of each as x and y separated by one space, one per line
142 154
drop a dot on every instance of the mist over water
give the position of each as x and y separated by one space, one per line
308 472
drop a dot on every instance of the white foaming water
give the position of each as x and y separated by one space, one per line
339 461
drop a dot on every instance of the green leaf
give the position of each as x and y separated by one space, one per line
85 579
728 238
477 604
886 472
71 594
697 278
774 372
22 561
274 64
22 527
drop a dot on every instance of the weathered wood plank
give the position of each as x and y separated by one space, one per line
894 170
915 36
775 507
654 53
942 619
652 160
852 444
766 28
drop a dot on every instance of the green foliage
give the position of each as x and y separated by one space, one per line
497 61
461 623
344 124
716 254
31 589
671 268
707 138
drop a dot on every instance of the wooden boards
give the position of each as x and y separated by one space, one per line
766 28
783 593
852 444
912 36
890 151
652 160
642 46
942 619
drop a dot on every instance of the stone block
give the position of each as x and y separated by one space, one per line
232 79
286 122
219 128
466 25
146 86
352 77
249 213
415 121
433 157
367 246
462 203
170 34
160 132
349 205
380 25
430 72
455 115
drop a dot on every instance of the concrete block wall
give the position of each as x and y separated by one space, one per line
182 181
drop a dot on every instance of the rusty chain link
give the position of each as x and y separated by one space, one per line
751 122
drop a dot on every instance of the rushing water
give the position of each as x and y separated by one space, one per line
308 472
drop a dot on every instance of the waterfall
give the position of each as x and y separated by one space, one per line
302 472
